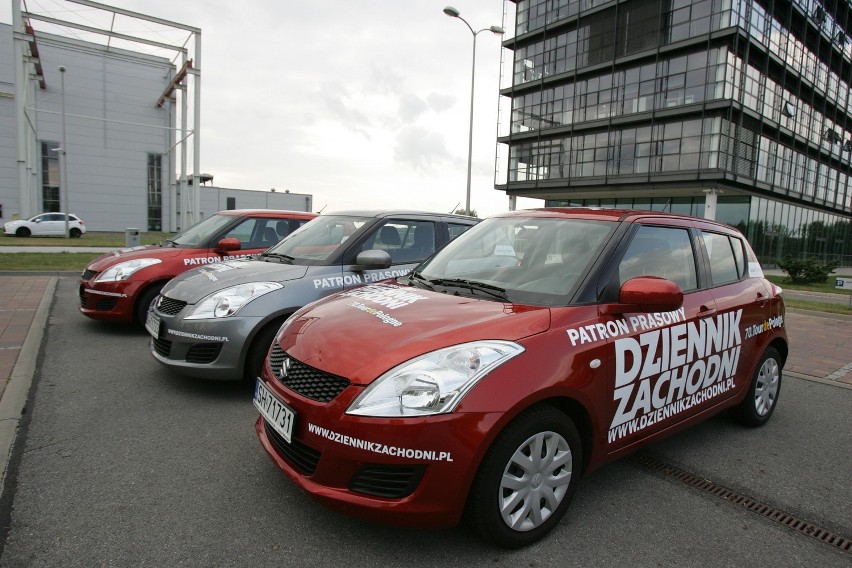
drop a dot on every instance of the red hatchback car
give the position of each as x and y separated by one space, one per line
536 347
120 286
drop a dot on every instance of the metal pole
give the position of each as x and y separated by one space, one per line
63 190
470 133
453 13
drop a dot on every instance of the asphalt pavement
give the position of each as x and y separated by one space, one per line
820 345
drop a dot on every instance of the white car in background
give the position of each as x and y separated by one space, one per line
45 225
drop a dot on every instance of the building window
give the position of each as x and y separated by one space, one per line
155 192
230 203
50 176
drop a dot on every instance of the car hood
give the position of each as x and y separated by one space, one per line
362 333
104 261
199 282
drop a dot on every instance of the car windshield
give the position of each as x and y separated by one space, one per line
530 260
318 240
198 235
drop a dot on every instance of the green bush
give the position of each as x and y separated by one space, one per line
806 271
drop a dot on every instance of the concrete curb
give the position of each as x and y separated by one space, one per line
14 398
820 380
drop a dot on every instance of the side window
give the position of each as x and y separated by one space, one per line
457 229
405 241
250 234
723 263
660 251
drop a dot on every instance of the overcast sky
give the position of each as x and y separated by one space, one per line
362 103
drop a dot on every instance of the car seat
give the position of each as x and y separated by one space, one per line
270 236
389 236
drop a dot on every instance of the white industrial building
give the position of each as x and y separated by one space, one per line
106 125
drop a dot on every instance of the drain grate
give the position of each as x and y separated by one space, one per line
791 521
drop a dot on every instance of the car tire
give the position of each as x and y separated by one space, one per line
23 232
76 233
148 297
256 356
762 397
514 501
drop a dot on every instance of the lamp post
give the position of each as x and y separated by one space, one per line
64 154
453 13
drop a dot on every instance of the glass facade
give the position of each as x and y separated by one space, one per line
50 177
155 192
748 97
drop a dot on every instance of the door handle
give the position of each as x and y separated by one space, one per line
706 310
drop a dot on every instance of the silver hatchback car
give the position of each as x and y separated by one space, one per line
218 321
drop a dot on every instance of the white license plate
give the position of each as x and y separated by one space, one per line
152 324
275 412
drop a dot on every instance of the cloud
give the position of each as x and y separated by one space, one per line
411 107
439 102
421 149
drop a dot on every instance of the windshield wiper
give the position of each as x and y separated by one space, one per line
472 285
425 282
285 259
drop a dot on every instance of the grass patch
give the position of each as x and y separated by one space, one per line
827 286
47 261
91 239
818 306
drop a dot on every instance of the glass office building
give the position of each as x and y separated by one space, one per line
657 103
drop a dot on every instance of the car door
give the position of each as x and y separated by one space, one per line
52 224
663 366
745 299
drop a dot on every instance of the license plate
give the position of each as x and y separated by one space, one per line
152 324
275 412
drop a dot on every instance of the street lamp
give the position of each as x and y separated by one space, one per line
453 13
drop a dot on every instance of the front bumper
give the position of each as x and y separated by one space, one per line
208 349
109 301
412 472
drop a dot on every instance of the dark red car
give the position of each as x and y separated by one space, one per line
120 286
536 347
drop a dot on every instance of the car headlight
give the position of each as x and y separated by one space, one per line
433 383
227 302
123 270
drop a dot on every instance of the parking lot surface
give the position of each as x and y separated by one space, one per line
118 463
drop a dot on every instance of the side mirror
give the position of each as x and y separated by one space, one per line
371 259
647 294
227 245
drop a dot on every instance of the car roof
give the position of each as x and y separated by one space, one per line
606 214
400 212
273 212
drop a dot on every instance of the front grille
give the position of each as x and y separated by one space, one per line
297 454
163 347
88 274
388 481
82 297
203 353
169 306
305 380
